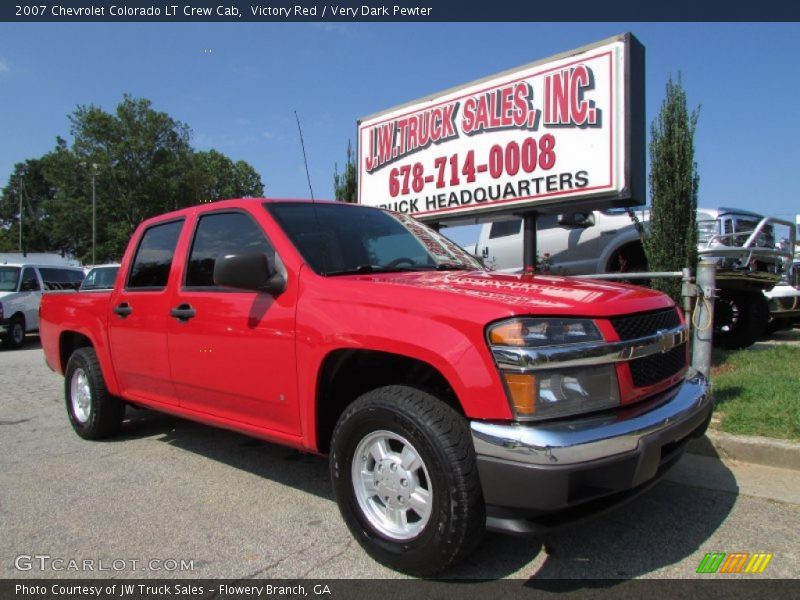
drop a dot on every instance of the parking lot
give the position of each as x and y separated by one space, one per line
170 493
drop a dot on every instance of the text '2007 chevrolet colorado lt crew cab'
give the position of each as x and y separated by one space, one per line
450 399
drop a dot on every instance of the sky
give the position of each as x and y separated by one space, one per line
237 87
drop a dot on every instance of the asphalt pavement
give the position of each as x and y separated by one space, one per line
171 498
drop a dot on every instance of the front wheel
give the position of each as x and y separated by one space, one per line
404 475
93 412
15 338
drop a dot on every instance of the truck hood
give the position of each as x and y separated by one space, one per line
521 294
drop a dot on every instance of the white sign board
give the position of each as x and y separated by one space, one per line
567 130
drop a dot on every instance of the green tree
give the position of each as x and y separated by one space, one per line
215 177
344 185
671 242
29 192
142 164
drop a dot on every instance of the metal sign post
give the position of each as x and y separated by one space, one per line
529 241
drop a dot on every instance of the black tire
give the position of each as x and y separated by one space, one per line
15 338
740 318
630 258
440 437
93 413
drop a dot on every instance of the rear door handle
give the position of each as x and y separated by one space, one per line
123 310
183 312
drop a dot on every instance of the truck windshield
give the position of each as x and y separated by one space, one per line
340 239
9 276
746 225
706 229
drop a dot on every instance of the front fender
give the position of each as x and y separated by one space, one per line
452 345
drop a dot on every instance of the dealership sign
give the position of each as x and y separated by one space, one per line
568 130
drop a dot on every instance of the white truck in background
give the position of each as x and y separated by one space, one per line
21 289
745 245
577 243
55 259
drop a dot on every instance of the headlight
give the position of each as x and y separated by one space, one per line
548 393
532 333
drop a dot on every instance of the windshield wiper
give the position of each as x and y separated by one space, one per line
361 269
374 269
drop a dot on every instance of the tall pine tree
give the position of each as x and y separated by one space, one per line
344 185
671 242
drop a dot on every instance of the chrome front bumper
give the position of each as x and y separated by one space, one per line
536 477
572 441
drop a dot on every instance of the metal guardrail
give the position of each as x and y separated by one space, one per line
644 275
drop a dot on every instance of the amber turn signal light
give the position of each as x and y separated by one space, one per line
522 388
508 334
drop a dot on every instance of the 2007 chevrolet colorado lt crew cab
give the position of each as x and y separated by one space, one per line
450 399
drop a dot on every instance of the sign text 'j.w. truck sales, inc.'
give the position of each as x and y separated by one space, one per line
566 130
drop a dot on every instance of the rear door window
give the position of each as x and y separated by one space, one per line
61 279
150 270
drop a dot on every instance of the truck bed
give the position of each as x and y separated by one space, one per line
82 312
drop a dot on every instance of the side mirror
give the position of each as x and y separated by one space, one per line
252 271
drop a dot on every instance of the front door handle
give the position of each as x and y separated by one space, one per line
183 312
123 310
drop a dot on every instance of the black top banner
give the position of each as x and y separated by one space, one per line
398 10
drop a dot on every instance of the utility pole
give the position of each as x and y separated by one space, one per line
19 193
94 211
94 215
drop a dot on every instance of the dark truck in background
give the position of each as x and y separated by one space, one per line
450 399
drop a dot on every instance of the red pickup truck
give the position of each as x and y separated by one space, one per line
450 399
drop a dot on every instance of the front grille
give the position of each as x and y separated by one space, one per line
636 326
657 367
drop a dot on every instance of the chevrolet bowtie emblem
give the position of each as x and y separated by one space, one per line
664 341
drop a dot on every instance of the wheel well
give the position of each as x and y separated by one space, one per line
634 256
69 342
18 315
347 374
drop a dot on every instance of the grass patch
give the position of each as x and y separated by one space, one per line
758 391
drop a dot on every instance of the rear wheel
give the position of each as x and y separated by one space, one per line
629 259
740 318
93 412
404 474
15 338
